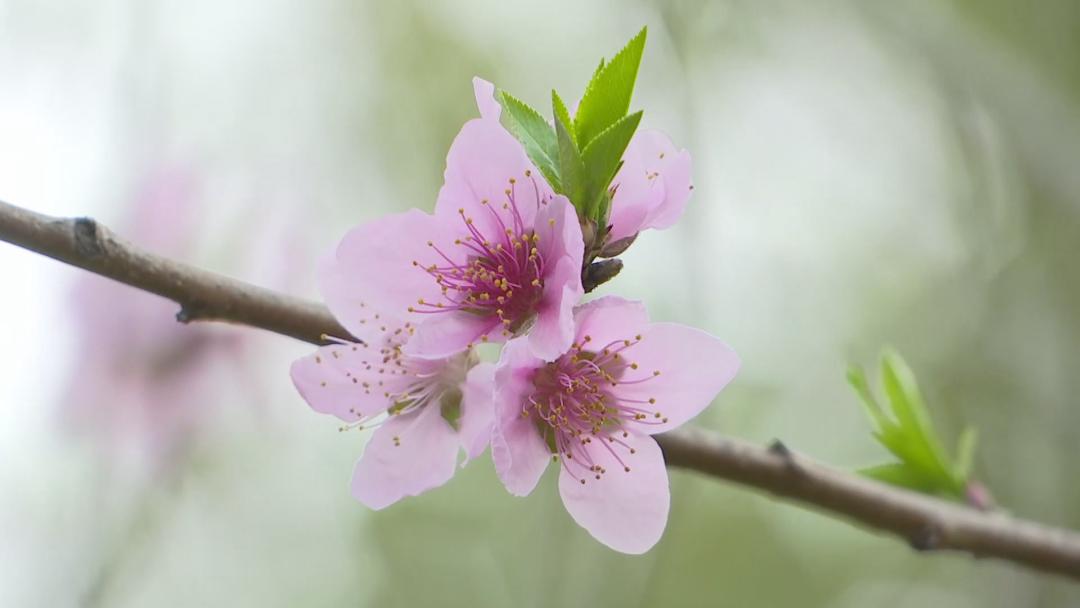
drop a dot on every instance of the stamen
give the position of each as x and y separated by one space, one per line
572 403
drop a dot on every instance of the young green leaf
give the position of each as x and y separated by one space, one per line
562 115
965 454
899 474
906 430
898 383
607 96
857 379
571 166
602 159
534 133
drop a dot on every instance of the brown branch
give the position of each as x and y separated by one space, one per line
926 523
202 295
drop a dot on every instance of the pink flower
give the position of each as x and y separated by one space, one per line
425 409
595 408
651 188
500 257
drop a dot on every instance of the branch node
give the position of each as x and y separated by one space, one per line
927 538
188 313
780 449
87 239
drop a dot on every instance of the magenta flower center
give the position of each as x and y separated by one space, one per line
575 406
499 275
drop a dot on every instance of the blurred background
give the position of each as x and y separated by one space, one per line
867 173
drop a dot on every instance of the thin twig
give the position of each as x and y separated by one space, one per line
926 523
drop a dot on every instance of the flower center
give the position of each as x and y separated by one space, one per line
491 275
407 383
574 405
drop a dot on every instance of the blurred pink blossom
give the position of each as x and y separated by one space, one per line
143 383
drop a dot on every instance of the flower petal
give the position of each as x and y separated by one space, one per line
443 334
485 99
562 248
609 319
477 409
694 366
560 232
483 158
336 380
625 510
653 185
423 457
553 332
372 269
519 453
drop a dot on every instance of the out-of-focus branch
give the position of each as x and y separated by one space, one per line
926 523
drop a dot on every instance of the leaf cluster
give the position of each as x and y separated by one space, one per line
579 155
904 427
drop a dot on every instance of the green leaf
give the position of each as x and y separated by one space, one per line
571 166
899 474
534 133
562 115
857 379
607 97
898 383
906 430
602 158
965 455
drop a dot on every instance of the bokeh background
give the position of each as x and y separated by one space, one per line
867 173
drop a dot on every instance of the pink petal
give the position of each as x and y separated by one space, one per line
672 167
348 301
519 453
424 458
332 381
560 232
562 247
553 332
653 185
483 158
477 409
626 511
442 334
694 366
485 99
373 268
609 319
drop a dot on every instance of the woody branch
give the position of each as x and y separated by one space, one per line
926 523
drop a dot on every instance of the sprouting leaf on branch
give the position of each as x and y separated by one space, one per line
579 155
905 429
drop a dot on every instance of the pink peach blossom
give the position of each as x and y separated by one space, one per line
652 187
424 410
500 257
594 409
